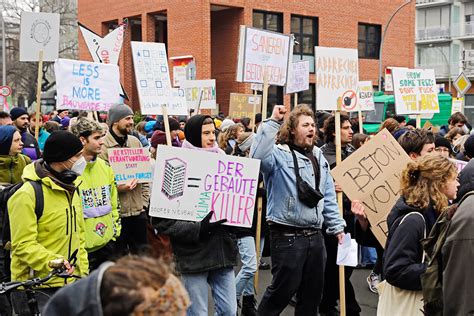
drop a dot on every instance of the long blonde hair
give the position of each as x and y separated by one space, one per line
422 181
230 133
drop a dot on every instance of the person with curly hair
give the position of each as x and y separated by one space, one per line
228 138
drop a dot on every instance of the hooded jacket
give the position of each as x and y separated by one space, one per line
100 205
11 168
134 202
30 145
56 234
81 299
402 261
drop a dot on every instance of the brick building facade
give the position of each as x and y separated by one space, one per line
209 31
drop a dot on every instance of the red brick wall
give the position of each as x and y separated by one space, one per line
189 32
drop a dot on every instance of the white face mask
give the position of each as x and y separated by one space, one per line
79 166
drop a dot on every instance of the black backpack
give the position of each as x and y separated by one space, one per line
6 192
432 279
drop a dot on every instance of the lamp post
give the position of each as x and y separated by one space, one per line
4 63
382 39
447 63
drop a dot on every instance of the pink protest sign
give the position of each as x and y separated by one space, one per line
188 184
130 163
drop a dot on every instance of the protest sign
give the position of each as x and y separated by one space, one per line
457 105
105 49
261 52
372 175
130 163
87 86
366 96
192 91
188 184
415 91
298 79
39 31
337 78
241 105
460 164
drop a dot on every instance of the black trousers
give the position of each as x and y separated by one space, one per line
297 267
133 238
106 253
331 286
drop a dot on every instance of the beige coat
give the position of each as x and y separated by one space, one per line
134 202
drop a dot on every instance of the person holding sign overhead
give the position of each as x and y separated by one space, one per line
133 196
301 198
205 252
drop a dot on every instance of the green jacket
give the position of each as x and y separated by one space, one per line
11 168
56 234
100 205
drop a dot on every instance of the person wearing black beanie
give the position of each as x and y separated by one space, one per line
58 231
205 252
443 147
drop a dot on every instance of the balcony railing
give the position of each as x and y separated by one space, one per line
432 33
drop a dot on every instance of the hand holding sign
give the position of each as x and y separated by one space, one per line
207 228
279 112
128 186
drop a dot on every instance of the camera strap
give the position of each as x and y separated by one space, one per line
297 169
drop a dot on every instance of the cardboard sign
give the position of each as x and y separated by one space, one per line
130 163
39 31
192 91
241 105
337 78
261 52
188 184
366 96
299 77
87 86
415 91
372 175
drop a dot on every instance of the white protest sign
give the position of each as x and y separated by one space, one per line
188 184
104 49
39 31
152 76
415 91
192 90
261 52
366 96
337 78
457 105
130 163
298 79
87 86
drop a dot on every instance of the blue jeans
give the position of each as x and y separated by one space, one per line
368 255
222 283
248 256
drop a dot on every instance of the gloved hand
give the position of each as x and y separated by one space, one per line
208 228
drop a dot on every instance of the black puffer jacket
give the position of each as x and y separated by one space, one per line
402 261
194 255
466 180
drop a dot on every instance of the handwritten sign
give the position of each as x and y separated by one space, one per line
39 31
415 91
299 77
83 85
337 78
241 105
457 105
188 184
192 91
366 96
130 163
372 175
263 52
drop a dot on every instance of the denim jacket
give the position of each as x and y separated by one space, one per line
283 205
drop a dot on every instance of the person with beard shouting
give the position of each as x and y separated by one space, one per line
301 198
133 196
21 122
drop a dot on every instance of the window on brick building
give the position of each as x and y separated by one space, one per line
136 29
273 22
109 26
306 97
305 30
369 40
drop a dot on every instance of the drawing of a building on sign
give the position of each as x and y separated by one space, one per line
174 176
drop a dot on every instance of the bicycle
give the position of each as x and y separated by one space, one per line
59 270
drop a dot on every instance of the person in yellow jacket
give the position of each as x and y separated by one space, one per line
99 195
59 231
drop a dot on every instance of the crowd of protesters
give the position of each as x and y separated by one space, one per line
80 208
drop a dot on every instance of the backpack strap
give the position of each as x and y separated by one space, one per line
424 229
39 197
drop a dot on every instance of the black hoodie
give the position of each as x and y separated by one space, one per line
402 261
